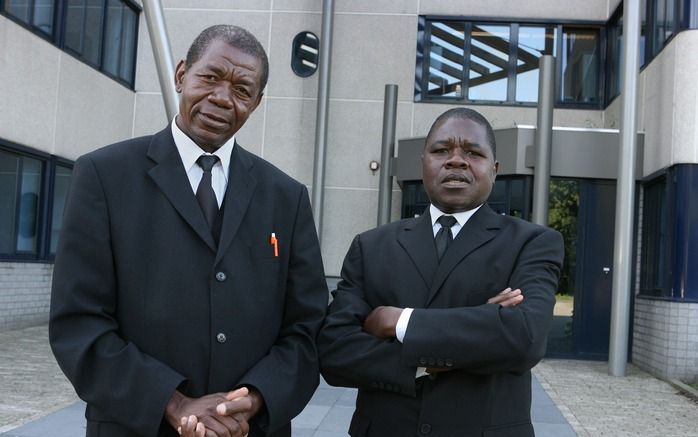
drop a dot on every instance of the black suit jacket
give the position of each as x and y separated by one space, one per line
488 350
145 302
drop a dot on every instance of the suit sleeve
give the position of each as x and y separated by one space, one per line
490 338
351 357
288 376
106 371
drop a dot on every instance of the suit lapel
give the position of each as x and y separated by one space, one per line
171 178
417 238
480 229
241 185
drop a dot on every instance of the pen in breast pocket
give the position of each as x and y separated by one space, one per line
274 242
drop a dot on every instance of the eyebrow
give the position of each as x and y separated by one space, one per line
450 141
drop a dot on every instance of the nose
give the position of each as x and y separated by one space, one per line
457 159
222 95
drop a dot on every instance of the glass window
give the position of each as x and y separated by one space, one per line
9 169
103 33
84 29
28 220
20 198
119 37
499 62
654 261
446 57
129 36
488 66
534 42
615 40
60 194
30 216
43 16
580 65
19 9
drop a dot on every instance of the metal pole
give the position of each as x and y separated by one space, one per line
625 192
323 97
155 19
385 187
544 139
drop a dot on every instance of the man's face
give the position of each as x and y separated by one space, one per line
458 167
218 94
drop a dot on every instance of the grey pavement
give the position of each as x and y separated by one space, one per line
569 398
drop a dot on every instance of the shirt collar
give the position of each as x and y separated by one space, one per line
461 217
189 151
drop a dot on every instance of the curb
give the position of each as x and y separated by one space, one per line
684 388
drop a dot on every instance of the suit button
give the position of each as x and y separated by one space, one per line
449 363
432 362
221 337
423 361
220 277
440 362
425 428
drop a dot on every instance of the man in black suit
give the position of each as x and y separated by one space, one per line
438 319
188 280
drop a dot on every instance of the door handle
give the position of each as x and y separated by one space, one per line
606 270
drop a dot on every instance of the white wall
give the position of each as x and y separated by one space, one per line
53 102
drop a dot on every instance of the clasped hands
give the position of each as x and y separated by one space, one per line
214 415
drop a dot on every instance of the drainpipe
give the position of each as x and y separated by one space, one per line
385 187
157 30
544 139
322 107
625 192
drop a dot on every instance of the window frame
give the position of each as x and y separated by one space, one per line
45 204
423 59
58 35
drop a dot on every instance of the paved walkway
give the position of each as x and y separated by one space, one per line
569 398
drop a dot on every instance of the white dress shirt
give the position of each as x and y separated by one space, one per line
461 219
190 152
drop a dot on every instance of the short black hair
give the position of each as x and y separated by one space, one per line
467 114
236 37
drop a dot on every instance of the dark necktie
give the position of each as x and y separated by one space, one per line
444 236
204 193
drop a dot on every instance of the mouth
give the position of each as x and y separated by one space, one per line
213 120
455 180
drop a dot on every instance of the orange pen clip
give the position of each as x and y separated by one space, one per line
274 242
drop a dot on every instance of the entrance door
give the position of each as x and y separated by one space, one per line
595 251
584 212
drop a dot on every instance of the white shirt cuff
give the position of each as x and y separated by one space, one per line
402 322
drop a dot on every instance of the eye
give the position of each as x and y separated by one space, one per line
209 77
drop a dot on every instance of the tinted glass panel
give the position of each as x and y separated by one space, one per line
43 16
92 38
113 37
580 65
18 8
60 192
28 221
653 275
9 168
446 57
488 63
128 44
74 24
534 42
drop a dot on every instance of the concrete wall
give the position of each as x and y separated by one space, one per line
55 103
667 105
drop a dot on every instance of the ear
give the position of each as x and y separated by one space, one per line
179 75
495 169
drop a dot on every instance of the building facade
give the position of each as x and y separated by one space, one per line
78 75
